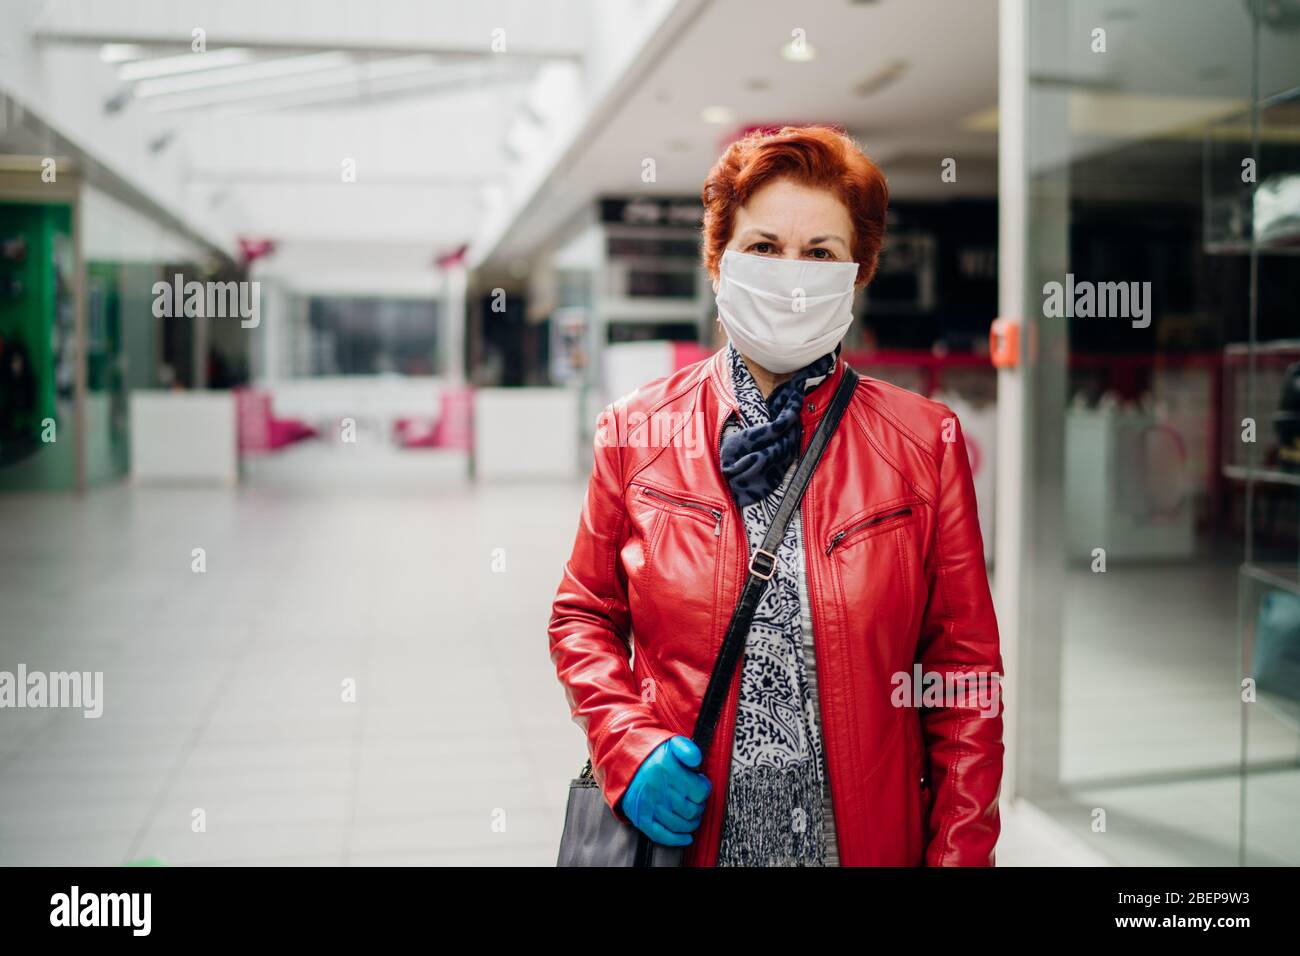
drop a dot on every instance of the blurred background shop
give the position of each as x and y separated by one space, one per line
307 311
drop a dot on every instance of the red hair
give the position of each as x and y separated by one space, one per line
816 156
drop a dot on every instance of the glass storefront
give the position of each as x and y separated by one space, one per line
1160 644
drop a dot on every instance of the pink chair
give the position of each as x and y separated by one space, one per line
415 432
259 431
452 429
456 421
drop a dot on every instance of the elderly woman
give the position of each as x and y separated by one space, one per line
864 726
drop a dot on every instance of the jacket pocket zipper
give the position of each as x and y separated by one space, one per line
694 506
869 523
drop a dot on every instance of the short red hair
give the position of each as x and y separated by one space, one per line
817 156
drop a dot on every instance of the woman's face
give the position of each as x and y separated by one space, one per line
788 220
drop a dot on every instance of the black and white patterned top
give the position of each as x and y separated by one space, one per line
778 799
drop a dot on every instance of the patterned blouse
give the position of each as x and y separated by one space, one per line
778 801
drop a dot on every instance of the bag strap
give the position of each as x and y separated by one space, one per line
763 565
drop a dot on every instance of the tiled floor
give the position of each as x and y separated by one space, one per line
224 689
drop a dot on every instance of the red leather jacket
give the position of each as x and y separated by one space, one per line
896 578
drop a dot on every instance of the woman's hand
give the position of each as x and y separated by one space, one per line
665 799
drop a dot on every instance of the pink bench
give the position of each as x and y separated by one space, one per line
453 428
259 431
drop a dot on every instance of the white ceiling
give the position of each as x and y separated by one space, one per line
348 133
727 53
469 133
1170 68
418 178
454 142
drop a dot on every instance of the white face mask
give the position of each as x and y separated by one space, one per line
784 313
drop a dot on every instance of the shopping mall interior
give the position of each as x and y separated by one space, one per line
308 310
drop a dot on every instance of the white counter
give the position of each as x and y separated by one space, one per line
526 433
184 437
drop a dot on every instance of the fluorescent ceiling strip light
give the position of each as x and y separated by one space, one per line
346 77
404 73
162 66
122 52
355 93
249 73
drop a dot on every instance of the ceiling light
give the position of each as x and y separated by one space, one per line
798 51
157 67
981 121
400 75
881 78
260 71
717 114
121 52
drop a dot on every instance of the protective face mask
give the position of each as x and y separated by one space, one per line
783 313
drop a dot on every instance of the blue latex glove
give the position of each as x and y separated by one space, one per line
665 799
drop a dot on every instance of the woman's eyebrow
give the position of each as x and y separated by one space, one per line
753 232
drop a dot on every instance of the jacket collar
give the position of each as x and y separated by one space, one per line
719 376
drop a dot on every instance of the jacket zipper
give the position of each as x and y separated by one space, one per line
683 503
870 522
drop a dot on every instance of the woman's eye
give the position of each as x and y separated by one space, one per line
761 248
821 253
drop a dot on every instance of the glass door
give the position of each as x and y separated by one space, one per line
1161 555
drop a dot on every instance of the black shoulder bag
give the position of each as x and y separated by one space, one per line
593 835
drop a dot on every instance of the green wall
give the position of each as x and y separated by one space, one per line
36 310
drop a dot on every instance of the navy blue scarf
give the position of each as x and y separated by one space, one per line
756 458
